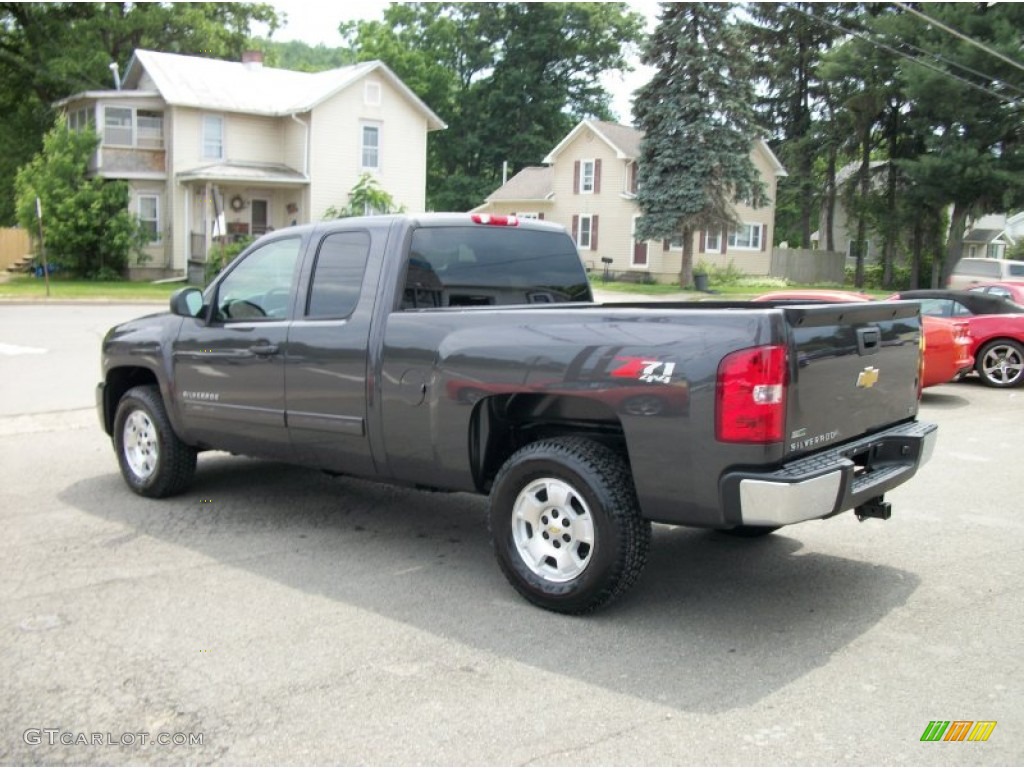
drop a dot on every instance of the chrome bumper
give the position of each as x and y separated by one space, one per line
827 483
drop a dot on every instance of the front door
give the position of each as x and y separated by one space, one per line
260 211
229 366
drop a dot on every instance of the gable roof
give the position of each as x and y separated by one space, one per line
534 183
229 86
625 141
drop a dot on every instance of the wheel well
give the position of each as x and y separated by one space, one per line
503 424
119 381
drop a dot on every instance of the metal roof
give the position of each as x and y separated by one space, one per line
228 86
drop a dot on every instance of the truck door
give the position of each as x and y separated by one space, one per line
229 367
326 357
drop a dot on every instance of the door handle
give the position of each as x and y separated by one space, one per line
263 349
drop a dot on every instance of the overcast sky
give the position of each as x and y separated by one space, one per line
318 23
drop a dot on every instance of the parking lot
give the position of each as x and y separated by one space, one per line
274 615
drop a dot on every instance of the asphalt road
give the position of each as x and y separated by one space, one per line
283 617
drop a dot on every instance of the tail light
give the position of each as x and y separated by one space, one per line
751 396
495 221
920 363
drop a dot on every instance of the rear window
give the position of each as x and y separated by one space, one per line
1016 270
978 268
487 266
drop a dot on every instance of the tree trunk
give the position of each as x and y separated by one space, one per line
827 225
954 243
862 216
916 249
686 265
891 228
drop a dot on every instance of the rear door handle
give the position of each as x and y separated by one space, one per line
263 349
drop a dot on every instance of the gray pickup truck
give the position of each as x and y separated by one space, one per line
465 353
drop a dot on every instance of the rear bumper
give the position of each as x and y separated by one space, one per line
829 482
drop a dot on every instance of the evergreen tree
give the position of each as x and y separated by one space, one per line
698 120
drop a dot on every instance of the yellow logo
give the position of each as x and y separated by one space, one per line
867 378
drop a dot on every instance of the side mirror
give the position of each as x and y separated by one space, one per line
187 302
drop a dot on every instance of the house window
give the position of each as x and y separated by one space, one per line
80 119
583 239
676 243
746 236
150 129
149 215
528 215
587 177
994 251
370 147
371 93
213 137
713 242
117 126
125 126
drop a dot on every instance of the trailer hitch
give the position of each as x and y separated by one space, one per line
875 507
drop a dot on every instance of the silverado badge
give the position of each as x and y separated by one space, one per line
867 378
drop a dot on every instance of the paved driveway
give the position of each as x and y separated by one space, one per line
280 616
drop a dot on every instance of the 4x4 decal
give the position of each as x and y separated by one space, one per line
641 369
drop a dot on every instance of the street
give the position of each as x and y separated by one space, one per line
281 616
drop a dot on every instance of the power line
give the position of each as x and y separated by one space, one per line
906 56
962 36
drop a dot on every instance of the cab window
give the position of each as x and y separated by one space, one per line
261 286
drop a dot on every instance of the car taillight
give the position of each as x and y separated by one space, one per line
751 396
495 221
920 364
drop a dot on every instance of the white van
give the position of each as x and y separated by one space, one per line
969 272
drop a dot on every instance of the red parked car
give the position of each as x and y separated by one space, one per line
947 343
996 325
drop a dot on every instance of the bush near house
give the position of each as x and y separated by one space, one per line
88 229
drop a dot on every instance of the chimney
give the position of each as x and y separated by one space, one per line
252 60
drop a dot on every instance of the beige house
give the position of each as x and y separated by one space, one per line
216 150
589 186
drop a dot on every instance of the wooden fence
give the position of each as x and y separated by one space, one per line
14 246
807 267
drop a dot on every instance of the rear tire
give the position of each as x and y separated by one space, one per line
1000 364
154 462
566 526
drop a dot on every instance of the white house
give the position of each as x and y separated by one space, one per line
217 150
589 186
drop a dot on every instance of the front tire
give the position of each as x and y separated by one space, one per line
566 526
1001 364
154 462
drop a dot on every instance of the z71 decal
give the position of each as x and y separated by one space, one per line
641 369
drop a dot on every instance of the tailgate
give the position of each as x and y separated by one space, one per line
856 370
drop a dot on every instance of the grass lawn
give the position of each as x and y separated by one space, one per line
28 287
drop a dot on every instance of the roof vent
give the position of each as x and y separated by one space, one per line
252 60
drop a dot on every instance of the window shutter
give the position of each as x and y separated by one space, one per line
541 215
576 228
666 244
593 233
597 176
632 177
764 237
701 242
576 178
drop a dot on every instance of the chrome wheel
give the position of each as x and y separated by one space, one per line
140 444
553 530
1001 364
